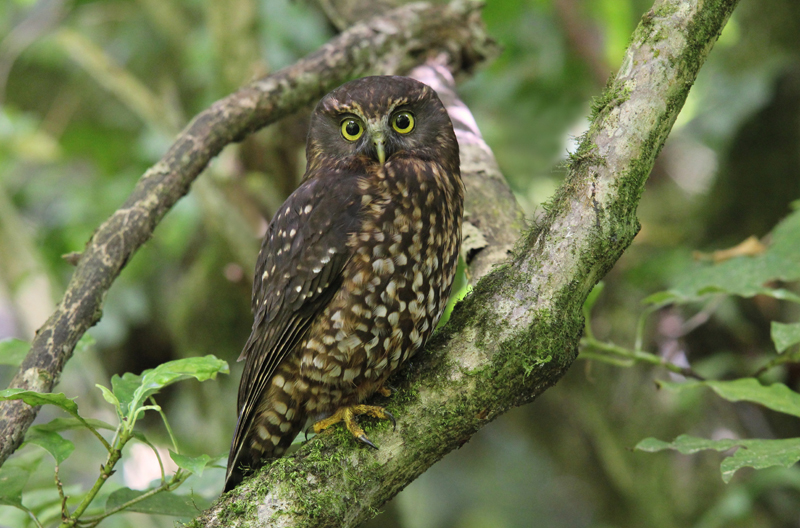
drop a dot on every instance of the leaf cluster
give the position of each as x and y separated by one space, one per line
132 396
770 273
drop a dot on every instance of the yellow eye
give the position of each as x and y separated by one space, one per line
352 129
403 122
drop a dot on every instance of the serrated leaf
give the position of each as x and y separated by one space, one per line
762 454
755 453
777 396
55 444
785 335
745 276
13 351
164 503
12 480
195 465
35 399
199 368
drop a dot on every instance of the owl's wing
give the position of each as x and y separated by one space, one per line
299 270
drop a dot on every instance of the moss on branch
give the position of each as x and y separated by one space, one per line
517 333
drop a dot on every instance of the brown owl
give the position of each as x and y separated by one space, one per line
355 268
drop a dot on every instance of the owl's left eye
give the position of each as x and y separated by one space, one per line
403 122
351 129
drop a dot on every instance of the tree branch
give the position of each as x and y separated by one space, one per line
518 332
389 44
493 219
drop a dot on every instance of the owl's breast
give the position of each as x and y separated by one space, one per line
396 284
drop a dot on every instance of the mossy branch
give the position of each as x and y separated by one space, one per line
392 43
518 332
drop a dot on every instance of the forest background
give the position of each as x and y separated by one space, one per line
91 94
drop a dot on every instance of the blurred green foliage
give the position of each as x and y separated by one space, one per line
92 93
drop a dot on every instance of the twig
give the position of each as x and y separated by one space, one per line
634 356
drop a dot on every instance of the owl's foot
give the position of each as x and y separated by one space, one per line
384 391
348 416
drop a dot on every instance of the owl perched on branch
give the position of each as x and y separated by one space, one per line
355 268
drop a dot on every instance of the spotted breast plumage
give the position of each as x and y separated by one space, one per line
356 266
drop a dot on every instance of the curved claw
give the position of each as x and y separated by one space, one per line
364 439
391 417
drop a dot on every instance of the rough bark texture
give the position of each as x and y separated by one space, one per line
493 219
393 43
517 333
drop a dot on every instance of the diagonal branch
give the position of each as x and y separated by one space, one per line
518 332
389 44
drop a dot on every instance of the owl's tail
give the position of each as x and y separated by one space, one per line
274 425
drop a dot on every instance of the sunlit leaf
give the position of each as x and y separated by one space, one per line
755 453
194 464
785 335
34 399
199 368
110 397
777 396
52 442
13 351
164 503
124 387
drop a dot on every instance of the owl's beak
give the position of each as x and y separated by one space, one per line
380 150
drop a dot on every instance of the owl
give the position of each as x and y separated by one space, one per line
355 268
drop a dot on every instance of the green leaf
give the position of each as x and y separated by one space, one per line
199 368
66 424
164 503
12 480
13 351
755 453
195 465
52 442
785 335
686 444
110 398
762 454
777 396
744 276
123 388
85 343
34 399
663 298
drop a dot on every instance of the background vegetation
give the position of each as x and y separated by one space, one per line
92 92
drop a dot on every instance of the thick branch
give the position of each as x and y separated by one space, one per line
493 219
518 332
390 44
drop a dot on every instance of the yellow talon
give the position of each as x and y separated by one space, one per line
348 414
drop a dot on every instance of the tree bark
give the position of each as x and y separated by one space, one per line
389 44
517 333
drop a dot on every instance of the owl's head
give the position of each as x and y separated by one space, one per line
372 119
